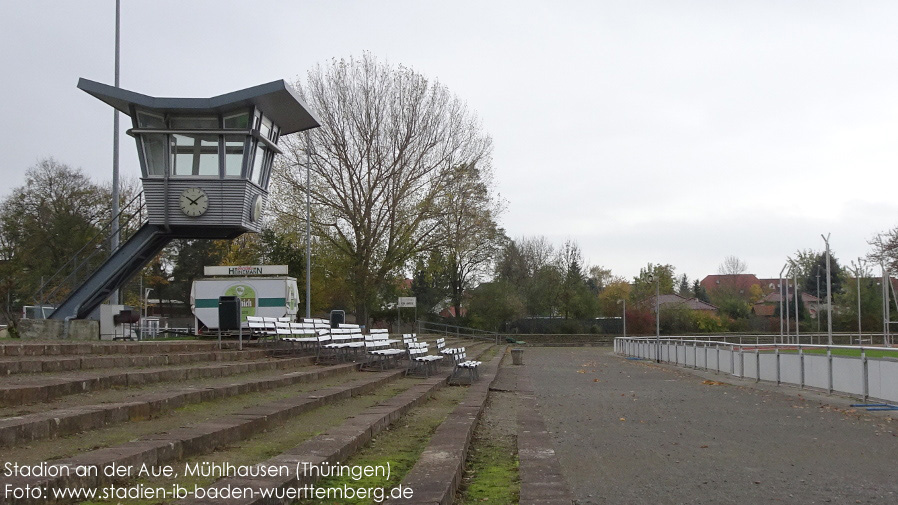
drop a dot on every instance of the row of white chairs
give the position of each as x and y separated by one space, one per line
338 344
424 363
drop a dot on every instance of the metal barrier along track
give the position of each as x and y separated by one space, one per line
837 368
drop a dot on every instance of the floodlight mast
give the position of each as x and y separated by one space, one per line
860 268
116 236
781 302
308 225
795 286
817 304
829 290
624 301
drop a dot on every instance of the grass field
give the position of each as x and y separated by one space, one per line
871 353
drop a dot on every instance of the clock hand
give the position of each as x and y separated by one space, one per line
192 201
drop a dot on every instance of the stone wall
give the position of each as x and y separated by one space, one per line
51 329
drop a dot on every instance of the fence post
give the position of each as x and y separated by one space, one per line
741 362
800 367
757 364
694 355
732 360
864 370
718 357
829 359
777 353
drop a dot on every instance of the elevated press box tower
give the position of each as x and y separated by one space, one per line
206 162
205 165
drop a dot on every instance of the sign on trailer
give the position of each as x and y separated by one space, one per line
245 270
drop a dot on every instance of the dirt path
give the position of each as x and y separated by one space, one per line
632 432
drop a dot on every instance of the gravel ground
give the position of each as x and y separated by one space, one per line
633 432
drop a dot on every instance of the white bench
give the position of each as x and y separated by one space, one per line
383 335
464 365
303 334
420 361
261 327
322 339
345 341
447 351
380 353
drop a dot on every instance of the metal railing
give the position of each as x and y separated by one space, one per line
459 331
868 339
833 368
94 252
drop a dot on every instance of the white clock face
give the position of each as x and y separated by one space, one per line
256 211
194 202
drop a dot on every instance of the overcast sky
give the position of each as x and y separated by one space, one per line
647 131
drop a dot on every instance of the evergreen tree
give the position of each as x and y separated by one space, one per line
837 276
684 289
699 291
430 284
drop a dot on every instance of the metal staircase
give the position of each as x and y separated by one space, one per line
125 261
92 274
80 286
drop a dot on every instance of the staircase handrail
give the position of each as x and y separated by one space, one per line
102 235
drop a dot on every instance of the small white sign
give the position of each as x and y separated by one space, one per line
244 270
408 301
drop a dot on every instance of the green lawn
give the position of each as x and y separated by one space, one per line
871 353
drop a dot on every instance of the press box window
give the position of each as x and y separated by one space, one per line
194 155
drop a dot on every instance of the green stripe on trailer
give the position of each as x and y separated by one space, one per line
272 302
212 303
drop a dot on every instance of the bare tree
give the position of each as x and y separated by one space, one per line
732 265
885 249
380 161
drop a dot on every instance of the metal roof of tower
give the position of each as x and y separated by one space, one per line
277 100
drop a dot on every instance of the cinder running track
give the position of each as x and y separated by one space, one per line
633 432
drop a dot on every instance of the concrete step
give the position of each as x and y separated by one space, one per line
65 363
336 445
542 482
103 348
22 390
15 431
189 441
437 473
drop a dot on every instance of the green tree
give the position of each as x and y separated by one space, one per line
600 277
430 282
845 318
575 299
494 303
684 290
734 307
610 297
644 283
279 248
808 263
188 257
45 223
700 292
529 266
